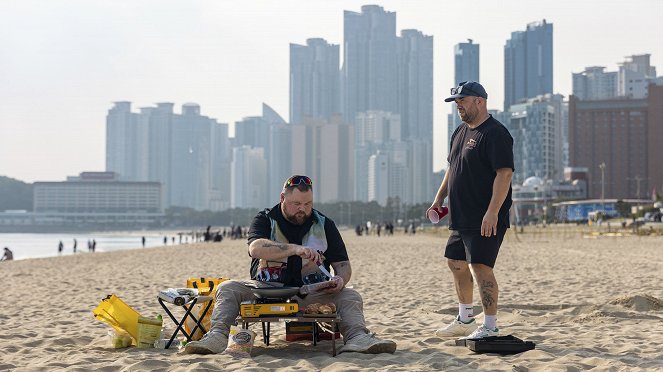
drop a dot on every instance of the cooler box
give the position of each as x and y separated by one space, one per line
296 331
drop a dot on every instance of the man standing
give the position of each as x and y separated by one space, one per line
286 244
478 183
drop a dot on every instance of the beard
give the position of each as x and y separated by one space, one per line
466 116
298 218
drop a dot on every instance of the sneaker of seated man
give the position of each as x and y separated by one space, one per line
286 244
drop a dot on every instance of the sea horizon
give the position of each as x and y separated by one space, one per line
42 245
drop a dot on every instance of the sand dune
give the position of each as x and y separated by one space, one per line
587 303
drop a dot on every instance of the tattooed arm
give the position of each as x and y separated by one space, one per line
342 274
266 249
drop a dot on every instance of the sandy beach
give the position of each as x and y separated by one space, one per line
587 301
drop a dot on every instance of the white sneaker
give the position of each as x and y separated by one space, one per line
482 332
211 343
457 328
369 344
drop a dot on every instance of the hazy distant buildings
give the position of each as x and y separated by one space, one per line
97 198
536 126
415 85
249 181
635 74
594 83
186 153
466 68
528 63
631 80
314 80
323 150
621 138
369 61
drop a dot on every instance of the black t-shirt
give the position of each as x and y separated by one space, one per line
475 156
261 229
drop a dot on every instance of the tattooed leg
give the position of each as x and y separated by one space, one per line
462 280
488 289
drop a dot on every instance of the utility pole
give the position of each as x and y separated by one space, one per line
602 166
637 180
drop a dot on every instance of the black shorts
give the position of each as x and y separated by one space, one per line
470 246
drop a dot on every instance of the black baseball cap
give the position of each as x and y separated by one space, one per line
467 89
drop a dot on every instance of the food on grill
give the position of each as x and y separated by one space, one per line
318 308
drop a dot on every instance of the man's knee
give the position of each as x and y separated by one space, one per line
481 269
227 287
457 266
349 296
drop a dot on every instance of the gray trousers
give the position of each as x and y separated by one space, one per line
231 293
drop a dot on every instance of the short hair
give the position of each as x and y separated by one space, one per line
300 187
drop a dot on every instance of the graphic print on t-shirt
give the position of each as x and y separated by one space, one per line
471 143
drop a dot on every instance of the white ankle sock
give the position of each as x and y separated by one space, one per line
465 312
490 321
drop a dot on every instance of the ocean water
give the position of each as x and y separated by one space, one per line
26 245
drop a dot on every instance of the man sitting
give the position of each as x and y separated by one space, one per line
286 244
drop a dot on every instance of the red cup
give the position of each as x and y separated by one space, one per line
436 214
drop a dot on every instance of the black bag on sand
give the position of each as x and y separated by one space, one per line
504 345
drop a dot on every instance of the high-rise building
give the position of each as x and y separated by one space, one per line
125 139
314 80
323 150
378 178
595 83
249 183
528 63
536 126
335 160
180 151
635 74
369 61
373 130
621 138
415 85
466 68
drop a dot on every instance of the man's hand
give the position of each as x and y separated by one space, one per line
489 224
310 254
436 204
338 285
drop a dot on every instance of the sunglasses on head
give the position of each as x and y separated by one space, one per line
298 180
461 87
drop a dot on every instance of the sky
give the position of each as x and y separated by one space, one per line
64 63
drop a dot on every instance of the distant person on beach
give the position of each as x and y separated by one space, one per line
165 240
60 247
94 245
8 256
478 183
143 241
75 245
286 244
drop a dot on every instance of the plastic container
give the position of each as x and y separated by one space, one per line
119 339
161 343
149 331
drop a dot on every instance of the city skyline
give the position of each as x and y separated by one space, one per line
62 66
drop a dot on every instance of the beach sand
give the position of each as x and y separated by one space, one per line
586 301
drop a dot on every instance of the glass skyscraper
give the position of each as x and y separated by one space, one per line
314 80
466 68
528 63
